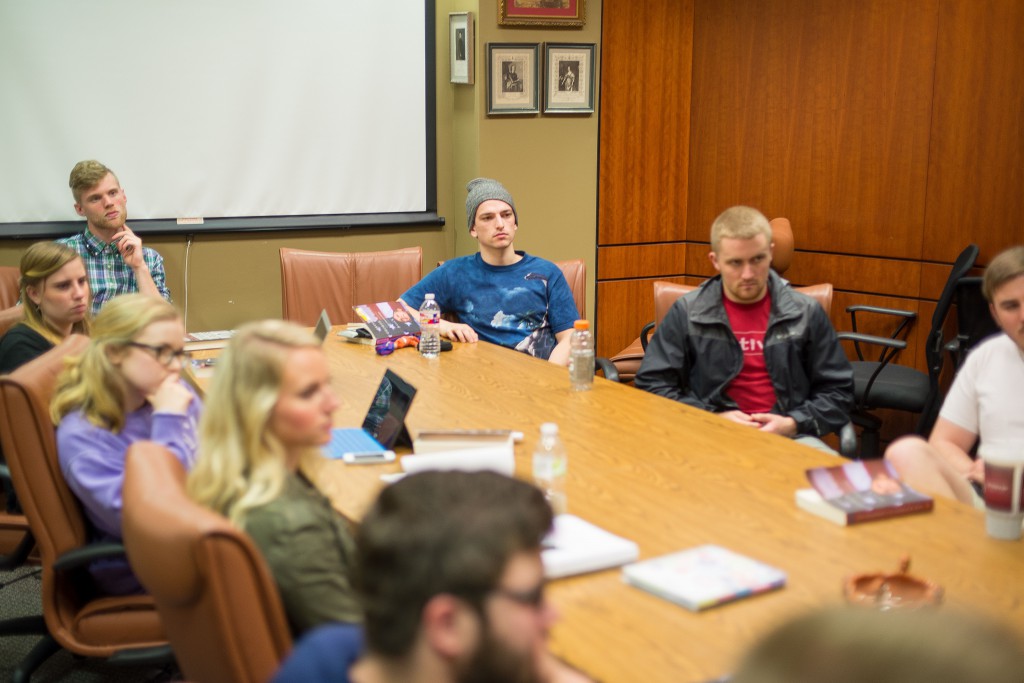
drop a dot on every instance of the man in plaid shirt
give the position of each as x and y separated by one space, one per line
114 257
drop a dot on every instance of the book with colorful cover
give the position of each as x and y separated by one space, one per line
387 320
704 577
860 491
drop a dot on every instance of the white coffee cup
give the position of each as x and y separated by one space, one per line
1004 473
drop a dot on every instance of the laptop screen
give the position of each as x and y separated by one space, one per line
385 420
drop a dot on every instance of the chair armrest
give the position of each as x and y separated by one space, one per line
645 334
848 441
885 311
80 557
860 337
607 367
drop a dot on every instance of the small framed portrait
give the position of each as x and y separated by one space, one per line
569 78
513 82
460 48
556 13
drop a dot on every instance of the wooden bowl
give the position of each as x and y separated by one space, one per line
899 590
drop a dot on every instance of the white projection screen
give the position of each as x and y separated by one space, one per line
247 114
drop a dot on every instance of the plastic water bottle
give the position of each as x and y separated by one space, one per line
581 357
430 328
550 466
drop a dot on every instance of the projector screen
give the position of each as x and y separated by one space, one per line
241 114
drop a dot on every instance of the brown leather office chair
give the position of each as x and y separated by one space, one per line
15 540
212 588
666 293
312 281
575 272
10 312
627 361
123 629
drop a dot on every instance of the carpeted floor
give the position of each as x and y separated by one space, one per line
20 596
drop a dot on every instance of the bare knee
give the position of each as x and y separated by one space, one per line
907 453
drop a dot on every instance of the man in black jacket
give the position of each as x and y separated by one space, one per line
746 346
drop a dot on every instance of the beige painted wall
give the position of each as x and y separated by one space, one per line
549 164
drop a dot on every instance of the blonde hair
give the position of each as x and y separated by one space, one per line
741 223
241 463
39 262
1007 265
87 174
90 382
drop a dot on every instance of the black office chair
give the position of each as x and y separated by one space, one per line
881 383
974 321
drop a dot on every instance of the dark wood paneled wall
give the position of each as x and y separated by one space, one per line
890 133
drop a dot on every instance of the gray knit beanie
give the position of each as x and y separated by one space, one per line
482 189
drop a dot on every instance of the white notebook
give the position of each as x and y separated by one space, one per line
575 546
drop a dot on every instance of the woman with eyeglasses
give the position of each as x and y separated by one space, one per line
271 407
125 387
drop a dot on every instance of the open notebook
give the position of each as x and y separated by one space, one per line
384 425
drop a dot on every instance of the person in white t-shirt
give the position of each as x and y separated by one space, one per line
983 403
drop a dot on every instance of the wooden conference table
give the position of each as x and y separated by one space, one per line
669 477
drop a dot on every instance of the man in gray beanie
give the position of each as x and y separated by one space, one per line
501 295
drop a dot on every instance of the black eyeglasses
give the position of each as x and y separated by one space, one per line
165 355
530 598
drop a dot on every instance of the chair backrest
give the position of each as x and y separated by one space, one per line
10 312
216 598
934 346
785 244
9 291
666 293
30 446
822 293
575 272
315 280
974 321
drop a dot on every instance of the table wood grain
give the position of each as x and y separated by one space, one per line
669 477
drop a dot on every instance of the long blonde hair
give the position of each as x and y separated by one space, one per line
90 382
241 463
39 262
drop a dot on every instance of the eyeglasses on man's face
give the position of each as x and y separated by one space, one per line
533 597
164 354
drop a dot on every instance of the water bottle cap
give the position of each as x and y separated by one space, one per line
549 429
428 297
581 325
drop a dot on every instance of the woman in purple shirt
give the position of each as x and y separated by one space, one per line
125 387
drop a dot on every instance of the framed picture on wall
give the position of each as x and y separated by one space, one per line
568 78
460 47
557 13
513 83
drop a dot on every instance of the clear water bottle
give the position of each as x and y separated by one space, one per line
550 467
430 328
581 357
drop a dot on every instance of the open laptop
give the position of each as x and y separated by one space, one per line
323 326
383 427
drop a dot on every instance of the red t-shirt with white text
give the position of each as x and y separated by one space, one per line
752 389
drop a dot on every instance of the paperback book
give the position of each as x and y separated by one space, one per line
860 491
703 577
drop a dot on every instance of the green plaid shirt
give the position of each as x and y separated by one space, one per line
109 275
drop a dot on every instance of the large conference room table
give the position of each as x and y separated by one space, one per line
669 477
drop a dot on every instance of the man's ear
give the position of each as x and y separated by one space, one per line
713 257
449 626
78 209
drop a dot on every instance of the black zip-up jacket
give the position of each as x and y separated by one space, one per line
693 356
